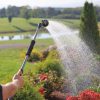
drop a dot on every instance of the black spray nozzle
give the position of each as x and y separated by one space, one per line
44 23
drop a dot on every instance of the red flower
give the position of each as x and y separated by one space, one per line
72 98
86 95
42 90
43 77
89 95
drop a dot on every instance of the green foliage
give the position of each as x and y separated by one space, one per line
53 54
2 12
25 12
54 83
12 11
88 27
35 56
51 63
95 88
28 93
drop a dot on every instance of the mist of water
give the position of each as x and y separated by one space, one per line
76 56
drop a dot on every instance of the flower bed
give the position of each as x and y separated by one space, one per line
86 95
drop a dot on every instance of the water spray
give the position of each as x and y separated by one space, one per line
44 23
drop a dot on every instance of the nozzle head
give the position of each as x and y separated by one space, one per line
45 23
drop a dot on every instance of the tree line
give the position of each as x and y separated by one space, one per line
27 12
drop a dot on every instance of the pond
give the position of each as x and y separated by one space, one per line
25 36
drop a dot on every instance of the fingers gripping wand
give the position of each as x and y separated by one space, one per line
43 24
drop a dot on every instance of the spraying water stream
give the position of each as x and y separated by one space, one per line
76 57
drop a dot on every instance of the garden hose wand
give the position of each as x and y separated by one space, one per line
43 24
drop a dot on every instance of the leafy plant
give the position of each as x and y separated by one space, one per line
28 93
35 56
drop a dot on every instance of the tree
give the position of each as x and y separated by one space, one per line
88 27
25 12
39 12
12 11
10 19
3 12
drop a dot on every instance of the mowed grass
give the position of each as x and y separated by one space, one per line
18 24
22 25
73 23
10 60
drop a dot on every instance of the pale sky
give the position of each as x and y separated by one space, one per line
46 3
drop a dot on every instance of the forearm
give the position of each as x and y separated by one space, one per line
9 89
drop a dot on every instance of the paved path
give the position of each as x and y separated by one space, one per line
4 46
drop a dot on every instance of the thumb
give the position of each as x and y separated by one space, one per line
20 72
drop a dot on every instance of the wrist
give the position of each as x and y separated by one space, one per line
16 83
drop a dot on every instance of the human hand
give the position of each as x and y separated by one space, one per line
18 79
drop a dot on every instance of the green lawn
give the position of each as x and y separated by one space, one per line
73 23
18 24
10 60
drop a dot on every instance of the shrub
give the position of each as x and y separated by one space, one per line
45 54
35 56
50 82
50 64
28 93
53 65
53 54
54 83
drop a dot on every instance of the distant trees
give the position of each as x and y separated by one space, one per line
12 11
27 12
2 12
88 27
38 12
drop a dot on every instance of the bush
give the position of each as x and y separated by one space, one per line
35 56
53 65
55 83
28 93
45 54
50 64
53 54
49 82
